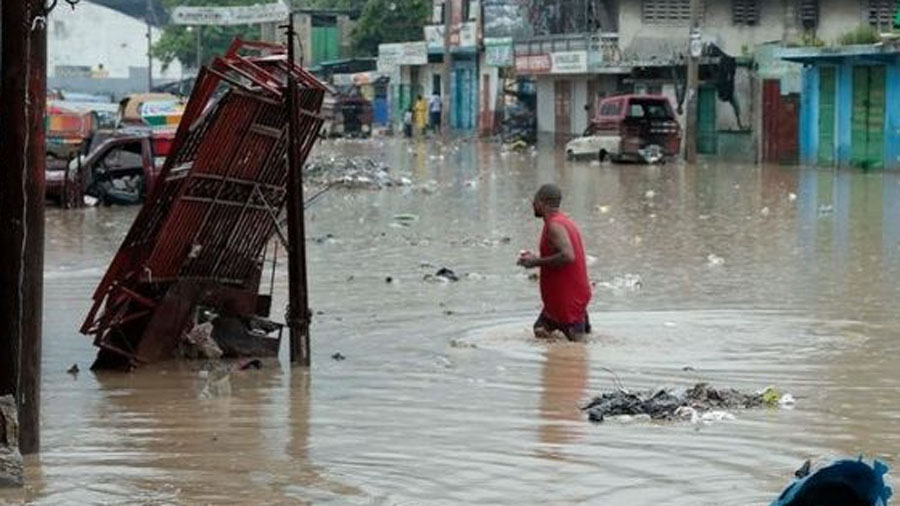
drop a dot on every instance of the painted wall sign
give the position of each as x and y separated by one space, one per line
534 64
465 37
391 56
569 62
499 51
225 16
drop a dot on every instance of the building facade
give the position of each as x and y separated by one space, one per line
112 61
850 106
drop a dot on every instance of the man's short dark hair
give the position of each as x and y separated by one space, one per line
549 194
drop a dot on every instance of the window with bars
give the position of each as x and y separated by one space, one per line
668 11
882 12
745 12
809 14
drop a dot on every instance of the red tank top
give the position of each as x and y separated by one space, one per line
565 290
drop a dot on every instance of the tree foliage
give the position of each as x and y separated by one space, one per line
180 42
390 21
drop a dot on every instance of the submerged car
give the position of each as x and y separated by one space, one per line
637 128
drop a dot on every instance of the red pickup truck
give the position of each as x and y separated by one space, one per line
640 128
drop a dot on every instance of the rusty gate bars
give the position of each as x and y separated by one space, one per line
214 207
22 149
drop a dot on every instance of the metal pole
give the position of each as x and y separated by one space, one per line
693 83
445 78
23 151
298 306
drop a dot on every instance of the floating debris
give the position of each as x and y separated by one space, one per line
338 357
714 260
73 370
694 404
623 283
792 197
355 173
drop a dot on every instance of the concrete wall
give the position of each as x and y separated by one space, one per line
716 27
776 23
837 17
74 40
546 110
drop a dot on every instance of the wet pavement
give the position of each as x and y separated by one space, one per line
749 277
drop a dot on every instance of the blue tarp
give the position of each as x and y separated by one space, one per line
843 483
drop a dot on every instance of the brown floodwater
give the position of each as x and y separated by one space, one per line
749 276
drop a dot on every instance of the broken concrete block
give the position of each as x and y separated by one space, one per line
11 466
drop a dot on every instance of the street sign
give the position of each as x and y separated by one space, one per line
227 16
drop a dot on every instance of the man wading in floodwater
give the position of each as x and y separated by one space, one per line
565 288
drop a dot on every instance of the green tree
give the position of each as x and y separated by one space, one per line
390 21
178 41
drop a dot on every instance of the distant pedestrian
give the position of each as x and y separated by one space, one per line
565 288
434 110
420 114
408 122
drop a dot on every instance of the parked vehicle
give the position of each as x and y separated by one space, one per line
347 114
121 169
637 128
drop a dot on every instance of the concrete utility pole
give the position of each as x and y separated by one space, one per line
448 64
298 295
693 83
23 151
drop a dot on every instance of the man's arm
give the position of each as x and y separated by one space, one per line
565 253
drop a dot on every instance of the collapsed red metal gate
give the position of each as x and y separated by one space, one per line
200 236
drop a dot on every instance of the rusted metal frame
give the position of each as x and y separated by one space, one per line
249 75
234 231
223 184
239 43
146 301
246 182
230 80
255 190
259 72
220 202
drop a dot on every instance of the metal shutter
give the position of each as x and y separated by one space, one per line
745 12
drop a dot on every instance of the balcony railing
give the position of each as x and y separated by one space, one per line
602 47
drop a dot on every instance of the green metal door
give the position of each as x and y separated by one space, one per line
325 44
827 97
867 134
707 139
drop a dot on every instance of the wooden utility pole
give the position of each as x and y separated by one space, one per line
298 305
23 151
693 83
448 64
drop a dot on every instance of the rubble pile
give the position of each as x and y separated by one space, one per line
357 172
680 404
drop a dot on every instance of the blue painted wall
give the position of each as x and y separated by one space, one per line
843 121
892 115
809 111
464 94
809 116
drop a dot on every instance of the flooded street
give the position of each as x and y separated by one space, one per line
748 277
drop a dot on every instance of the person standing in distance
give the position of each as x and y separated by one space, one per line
565 287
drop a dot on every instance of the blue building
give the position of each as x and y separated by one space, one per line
850 105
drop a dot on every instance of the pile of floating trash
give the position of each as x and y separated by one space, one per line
700 403
357 172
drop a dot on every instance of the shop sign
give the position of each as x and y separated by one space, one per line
499 51
569 62
229 16
534 64
391 56
462 36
